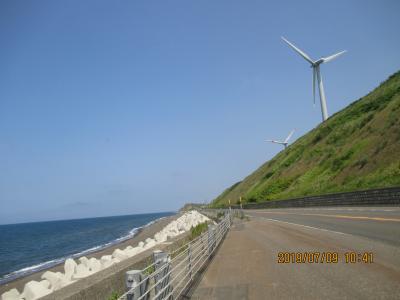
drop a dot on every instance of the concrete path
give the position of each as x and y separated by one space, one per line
246 265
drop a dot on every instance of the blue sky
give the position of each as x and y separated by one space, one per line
121 107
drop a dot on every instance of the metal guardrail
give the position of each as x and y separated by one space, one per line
171 274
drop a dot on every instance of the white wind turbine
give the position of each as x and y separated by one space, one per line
285 142
317 75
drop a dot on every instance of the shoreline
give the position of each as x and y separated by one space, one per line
146 231
26 271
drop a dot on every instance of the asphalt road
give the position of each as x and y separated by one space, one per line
258 257
375 223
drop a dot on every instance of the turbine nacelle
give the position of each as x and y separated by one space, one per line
317 62
285 142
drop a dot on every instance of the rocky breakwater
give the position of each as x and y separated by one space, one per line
75 270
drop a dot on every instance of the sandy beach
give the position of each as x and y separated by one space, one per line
147 232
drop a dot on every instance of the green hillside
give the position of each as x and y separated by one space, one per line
357 148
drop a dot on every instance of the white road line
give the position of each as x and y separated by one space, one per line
306 226
339 209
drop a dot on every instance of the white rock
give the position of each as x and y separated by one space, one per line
105 258
94 265
128 252
139 250
160 237
133 251
116 260
107 264
150 243
84 260
106 261
69 268
45 283
141 244
56 280
119 254
12 294
34 290
81 272
181 225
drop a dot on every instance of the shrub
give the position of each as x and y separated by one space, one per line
149 270
293 158
252 200
339 162
220 214
380 147
268 175
114 296
365 120
275 187
391 120
197 230
361 163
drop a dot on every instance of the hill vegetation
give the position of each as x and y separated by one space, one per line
191 206
357 148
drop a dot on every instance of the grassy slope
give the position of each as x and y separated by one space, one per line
357 148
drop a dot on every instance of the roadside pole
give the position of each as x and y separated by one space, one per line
241 207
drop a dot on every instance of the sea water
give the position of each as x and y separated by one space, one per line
28 247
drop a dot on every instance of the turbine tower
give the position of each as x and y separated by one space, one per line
285 142
317 75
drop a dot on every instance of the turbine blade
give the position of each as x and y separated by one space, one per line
332 57
288 137
313 84
273 141
305 56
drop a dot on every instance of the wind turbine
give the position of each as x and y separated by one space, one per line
285 142
317 75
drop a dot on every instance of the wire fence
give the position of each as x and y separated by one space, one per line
171 274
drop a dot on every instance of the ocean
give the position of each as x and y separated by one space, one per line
28 247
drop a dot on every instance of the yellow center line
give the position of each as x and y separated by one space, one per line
338 216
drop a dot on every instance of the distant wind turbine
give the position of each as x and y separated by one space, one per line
285 142
317 75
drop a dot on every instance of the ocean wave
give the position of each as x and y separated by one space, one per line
51 263
29 270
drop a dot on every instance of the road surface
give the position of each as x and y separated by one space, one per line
260 258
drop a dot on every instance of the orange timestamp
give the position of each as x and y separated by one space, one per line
308 257
324 257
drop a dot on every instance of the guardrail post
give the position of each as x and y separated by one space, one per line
225 225
202 238
211 238
161 260
132 280
190 261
